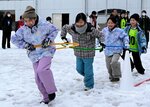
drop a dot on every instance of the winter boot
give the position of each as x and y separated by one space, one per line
115 80
87 89
51 96
45 102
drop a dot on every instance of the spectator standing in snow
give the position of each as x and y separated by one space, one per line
37 31
83 33
114 36
145 25
122 21
93 18
114 13
127 18
137 43
7 28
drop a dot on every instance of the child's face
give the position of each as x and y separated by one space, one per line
80 23
122 15
111 24
133 22
29 22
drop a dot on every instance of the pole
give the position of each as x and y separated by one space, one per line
86 7
106 8
141 5
126 5
36 6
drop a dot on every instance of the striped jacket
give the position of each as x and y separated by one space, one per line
85 40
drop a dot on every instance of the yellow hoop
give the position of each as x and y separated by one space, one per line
64 45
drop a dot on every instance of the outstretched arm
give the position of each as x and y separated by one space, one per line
99 35
64 32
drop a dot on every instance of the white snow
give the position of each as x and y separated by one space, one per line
18 88
126 80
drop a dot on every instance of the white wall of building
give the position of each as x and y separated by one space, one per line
146 6
48 7
134 6
73 7
18 6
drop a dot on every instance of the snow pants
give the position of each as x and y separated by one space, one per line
84 66
137 63
44 77
113 66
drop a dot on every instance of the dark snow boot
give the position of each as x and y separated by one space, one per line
114 79
51 96
45 102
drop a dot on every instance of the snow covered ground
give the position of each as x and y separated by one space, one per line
18 89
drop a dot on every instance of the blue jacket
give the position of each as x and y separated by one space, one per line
140 37
35 36
115 40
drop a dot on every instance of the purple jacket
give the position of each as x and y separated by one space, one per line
35 36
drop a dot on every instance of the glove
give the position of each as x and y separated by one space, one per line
66 40
101 49
29 47
103 45
144 50
46 42
126 47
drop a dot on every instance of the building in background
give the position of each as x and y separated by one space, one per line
64 11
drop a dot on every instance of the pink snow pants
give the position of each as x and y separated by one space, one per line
44 77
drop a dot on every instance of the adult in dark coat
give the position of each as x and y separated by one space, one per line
145 25
7 28
114 13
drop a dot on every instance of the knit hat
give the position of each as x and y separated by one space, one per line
135 16
29 12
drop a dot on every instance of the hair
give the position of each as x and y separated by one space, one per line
48 18
80 16
135 16
113 10
6 13
93 12
21 17
122 12
144 11
128 12
113 19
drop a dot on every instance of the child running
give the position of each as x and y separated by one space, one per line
115 40
85 34
137 43
37 31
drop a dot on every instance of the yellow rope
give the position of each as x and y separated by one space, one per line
63 45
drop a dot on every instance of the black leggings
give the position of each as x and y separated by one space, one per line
136 62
